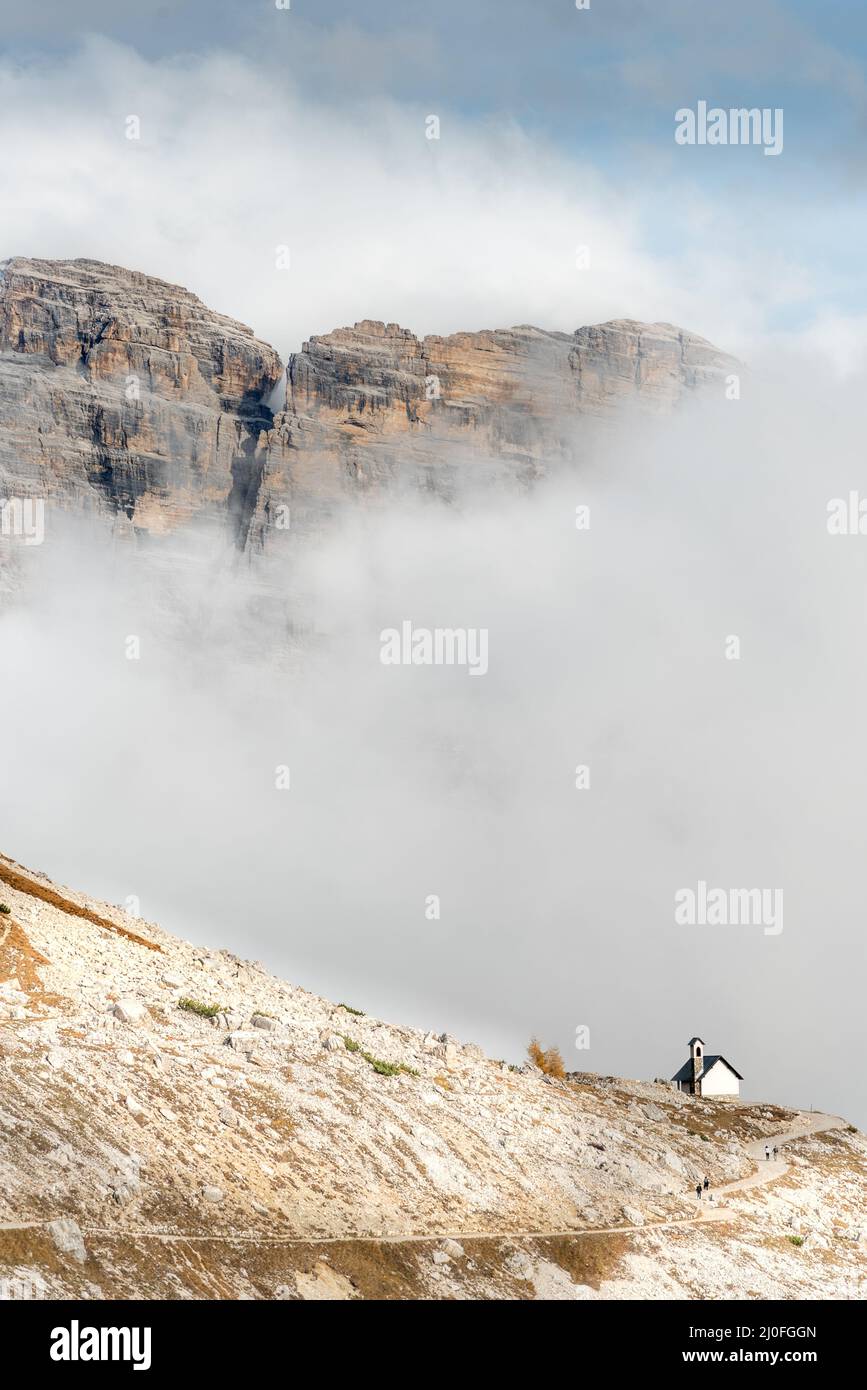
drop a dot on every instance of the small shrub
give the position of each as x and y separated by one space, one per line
850 1129
359 1013
550 1062
5 909
388 1068
796 1240
705 1137
383 1068
379 1066
195 1006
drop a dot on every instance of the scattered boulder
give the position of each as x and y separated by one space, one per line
227 1020
653 1112
633 1216
264 1021
124 1187
68 1238
212 1194
130 1011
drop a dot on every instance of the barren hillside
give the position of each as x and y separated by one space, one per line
177 1123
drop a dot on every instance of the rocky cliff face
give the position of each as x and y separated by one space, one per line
123 394
374 406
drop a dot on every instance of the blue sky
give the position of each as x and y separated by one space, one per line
592 94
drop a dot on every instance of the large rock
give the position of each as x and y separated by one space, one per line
130 1011
68 1239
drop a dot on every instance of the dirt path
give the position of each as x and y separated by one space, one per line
715 1210
767 1170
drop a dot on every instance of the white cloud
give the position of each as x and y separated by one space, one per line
478 229
607 648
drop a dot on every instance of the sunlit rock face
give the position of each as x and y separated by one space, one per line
373 408
125 395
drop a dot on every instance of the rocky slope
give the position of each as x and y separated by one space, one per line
288 1147
126 395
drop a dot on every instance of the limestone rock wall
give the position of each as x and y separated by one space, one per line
125 395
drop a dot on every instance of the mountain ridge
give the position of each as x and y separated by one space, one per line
124 395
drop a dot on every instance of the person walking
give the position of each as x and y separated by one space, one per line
767 1152
706 1184
698 1190
776 1151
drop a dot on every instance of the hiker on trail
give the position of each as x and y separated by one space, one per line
767 1152
776 1151
698 1190
706 1184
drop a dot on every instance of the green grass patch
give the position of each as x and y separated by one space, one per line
796 1240
5 909
359 1013
381 1067
388 1068
195 1006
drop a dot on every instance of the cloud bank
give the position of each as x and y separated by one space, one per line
607 650
486 226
